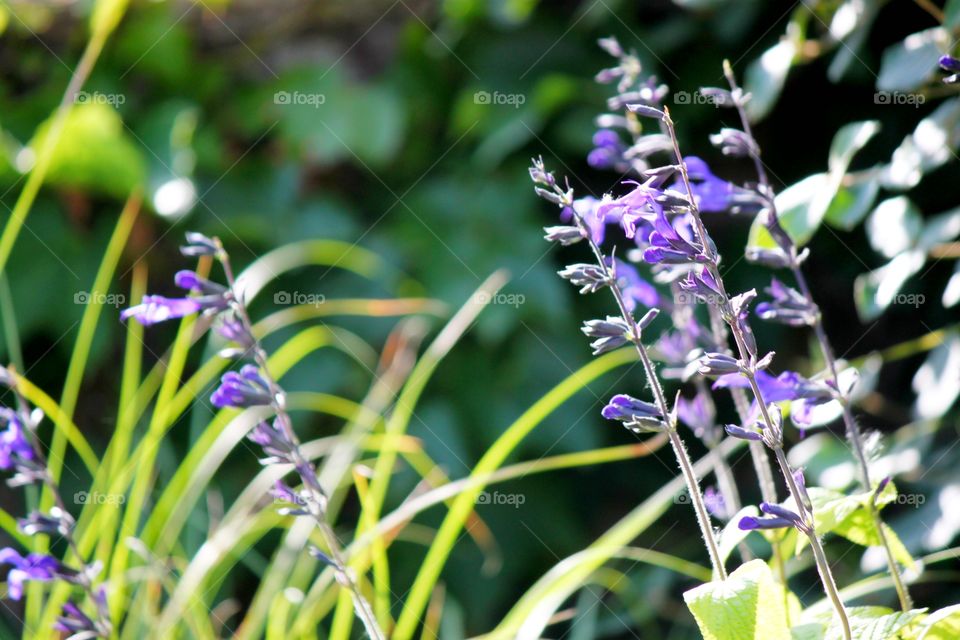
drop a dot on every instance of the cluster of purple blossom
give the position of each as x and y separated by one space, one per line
662 215
21 454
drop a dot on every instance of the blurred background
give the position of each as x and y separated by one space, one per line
406 126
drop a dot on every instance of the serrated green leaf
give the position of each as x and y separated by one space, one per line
873 623
748 605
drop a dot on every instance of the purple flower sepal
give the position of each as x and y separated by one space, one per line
787 306
245 388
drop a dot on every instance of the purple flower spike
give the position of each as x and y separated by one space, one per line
156 309
34 566
244 389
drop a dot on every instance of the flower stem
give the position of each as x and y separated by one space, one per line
318 500
826 576
676 442
852 431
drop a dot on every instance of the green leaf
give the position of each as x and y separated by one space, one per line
876 290
873 623
94 152
912 62
851 203
765 77
795 211
937 381
943 624
747 605
894 226
931 145
951 293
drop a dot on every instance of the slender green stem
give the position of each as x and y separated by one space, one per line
315 505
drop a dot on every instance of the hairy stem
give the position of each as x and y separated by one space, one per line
829 584
676 442
852 431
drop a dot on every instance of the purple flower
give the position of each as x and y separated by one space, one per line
633 208
804 394
274 442
786 386
154 309
608 150
715 195
625 408
190 281
749 523
669 245
711 193
715 503
697 414
635 289
608 334
14 445
788 306
244 389
34 566
952 65
637 415
594 216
